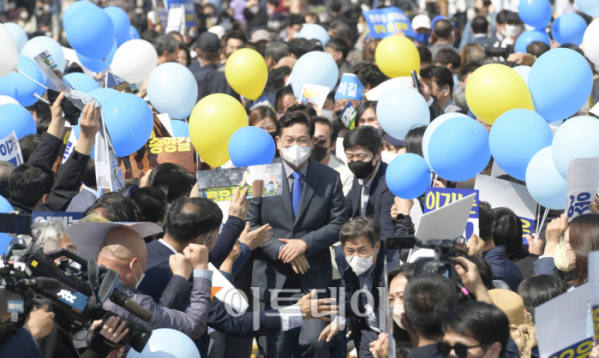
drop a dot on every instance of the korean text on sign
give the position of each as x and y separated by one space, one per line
436 198
169 145
386 22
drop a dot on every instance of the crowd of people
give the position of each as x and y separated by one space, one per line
313 262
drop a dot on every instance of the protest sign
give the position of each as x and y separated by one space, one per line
189 11
225 291
446 222
108 173
386 22
67 218
348 116
504 194
69 141
314 94
10 150
583 175
219 185
176 20
350 87
157 17
562 325
436 198
159 150
165 119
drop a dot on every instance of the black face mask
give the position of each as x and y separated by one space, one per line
361 169
318 152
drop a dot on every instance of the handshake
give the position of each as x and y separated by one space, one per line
193 257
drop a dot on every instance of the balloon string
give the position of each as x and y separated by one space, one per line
23 73
542 221
42 98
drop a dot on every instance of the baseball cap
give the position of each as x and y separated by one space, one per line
218 31
421 21
260 35
209 42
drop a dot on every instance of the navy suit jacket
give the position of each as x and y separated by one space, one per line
321 213
158 274
350 282
379 205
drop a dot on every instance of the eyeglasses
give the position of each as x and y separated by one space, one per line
208 239
460 350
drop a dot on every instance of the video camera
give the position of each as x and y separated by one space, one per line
504 52
30 277
440 264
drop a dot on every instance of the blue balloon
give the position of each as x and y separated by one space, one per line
90 32
16 118
98 65
121 23
73 7
560 83
129 121
315 67
589 7
401 109
515 137
544 182
102 94
536 13
459 149
167 343
20 87
82 82
569 29
251 146
576 138
180 128
528 37
17 33
5 239
315 31
173 89
133 33
408 175
430 129
39 44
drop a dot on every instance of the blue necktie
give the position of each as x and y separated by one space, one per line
297 191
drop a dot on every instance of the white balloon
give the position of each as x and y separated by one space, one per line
18 34
8 100
590 42
9 56
134 61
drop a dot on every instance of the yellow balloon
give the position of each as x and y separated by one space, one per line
495 89
212 122
397 56
247 73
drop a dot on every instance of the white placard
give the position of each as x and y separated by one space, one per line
583 175
446 222
226 292
504 194
10 150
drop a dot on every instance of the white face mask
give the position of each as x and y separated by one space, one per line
398 311
387 157
137 282
254 9
360 28
512 30
360 264
296 155
328 114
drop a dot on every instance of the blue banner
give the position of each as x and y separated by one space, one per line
190 14
386 22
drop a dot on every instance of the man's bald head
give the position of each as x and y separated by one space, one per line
124 251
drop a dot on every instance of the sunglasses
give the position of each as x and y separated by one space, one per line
460 350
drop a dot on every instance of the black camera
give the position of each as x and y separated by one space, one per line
504 52
30 277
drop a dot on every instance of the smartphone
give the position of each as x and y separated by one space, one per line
15 224
416 83
401 242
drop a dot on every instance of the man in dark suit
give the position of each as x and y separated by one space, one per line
480 29
361 263
305 221
370 194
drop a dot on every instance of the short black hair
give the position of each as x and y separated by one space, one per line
28 144
481 321
150 35
427 72
468 68
174 178
341 29
235 34
277 77
428 298
328 123
359 226
295 19
426 56
151 203
442 77
336 6
300 46
277 50
501 17
165 43
507 229
363 107
339 44
480 25
539 289
28 183
443 29
537 48
43 124
89 178
304 107
369 74
448 56
366 136
573 47
406 270
291 118
115 207
414 140
485 270
485 221
189 218
282 92
5 169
